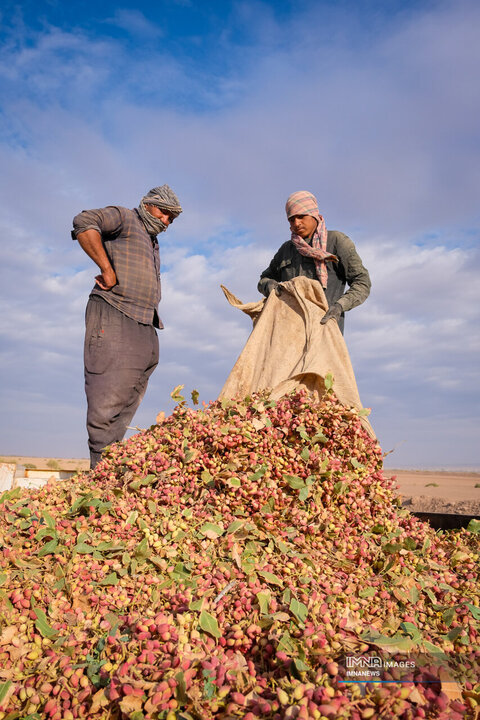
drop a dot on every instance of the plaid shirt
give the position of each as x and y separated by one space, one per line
134 256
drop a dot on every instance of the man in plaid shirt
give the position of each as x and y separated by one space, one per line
121 343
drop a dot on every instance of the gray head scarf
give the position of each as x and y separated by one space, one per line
164 198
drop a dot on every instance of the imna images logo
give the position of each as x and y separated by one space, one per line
364 662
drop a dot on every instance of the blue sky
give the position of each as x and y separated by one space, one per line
373 106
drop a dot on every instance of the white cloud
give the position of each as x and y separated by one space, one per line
386 138
135 23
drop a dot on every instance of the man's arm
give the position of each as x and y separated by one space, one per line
356 274
91 242
270 277
88 228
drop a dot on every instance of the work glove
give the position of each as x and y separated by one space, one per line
270 286
332 313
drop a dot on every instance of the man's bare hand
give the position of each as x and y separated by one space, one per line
91 241
107 279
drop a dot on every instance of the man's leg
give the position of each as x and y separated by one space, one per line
120 356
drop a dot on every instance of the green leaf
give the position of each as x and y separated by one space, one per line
132 517
300 666
367 592
328 381
3 578
269 507
196 605
49 521
302 432
142 551
391 548
109 547
356 464
282 546
181 689
4 687
426 544
294 481
195 395
211 530
209 689
459 557
103 508
190 455
42 625
412 630
209 624
298 609
258 474
448 616
264 598
45 532
304 493
175 394
454 633
474 526
111 579
205 476
181 572
234 526
396 643
319 437
234 482
305 454
414 595
83 548
285 644
10 495
81 502
270 577
474 610
364 412
49 548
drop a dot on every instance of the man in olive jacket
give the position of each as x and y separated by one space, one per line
327 256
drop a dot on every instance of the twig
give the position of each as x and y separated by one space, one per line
225 590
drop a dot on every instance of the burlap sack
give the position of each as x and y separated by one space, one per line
288 348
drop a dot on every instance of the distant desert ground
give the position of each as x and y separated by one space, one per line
439 490
423 490
43 463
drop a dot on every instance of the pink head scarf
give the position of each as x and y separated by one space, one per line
304 203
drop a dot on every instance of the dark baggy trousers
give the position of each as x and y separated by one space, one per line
120 355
